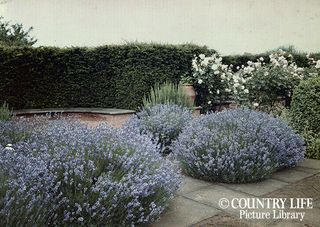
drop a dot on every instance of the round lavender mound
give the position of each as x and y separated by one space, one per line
67 174
163 122
237 146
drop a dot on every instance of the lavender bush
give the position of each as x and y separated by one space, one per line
68 174
163 122
237 146
14 131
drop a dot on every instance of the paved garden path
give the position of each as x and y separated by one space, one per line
197 202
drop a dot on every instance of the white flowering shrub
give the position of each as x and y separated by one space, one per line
210 78
237 146
264 83
314 67
67 174
259 84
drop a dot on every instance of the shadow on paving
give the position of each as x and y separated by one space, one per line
306 188
197 202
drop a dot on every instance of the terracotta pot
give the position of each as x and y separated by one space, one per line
189 90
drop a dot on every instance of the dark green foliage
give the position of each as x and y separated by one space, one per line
305 114
313 144
15 35
115 76
5 112
107 76
305 106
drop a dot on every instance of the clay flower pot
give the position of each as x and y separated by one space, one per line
189 90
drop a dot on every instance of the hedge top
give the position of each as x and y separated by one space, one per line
114 76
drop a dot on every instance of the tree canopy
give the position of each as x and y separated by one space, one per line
15 35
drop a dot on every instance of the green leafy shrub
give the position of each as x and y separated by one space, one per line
313 144
5 112
305 108
116 76
168 93
305 114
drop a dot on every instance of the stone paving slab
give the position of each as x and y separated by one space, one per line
316 203
312 218
307 170
223 219
184 212
190 184
306 188
258 188
310 163
211 196
197 202
290 175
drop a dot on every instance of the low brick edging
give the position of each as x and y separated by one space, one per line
103 111
91 116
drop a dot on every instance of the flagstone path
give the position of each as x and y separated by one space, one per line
197 202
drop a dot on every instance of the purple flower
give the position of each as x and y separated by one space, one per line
163 123
237 146
65 173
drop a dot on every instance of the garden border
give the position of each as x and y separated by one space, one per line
105 111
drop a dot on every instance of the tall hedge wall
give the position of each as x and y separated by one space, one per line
107 76
116 76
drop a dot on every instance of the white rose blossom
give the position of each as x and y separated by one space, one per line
214 67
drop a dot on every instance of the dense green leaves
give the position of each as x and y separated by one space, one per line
305 109
115 76
107 76
15 35
305 114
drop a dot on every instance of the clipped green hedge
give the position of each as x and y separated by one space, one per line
305 114
116 76
305 106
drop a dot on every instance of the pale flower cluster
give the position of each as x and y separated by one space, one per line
279 58
210 70
282 59
314 66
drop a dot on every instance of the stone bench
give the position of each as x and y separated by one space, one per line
92 116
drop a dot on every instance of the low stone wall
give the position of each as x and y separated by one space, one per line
90 116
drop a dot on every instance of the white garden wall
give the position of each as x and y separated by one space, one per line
230 26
